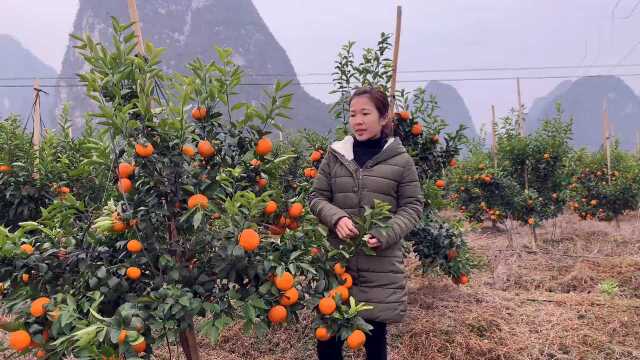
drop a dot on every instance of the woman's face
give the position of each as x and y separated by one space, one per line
365 121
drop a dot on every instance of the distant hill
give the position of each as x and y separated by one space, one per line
583 100
18 62
189 29
452 107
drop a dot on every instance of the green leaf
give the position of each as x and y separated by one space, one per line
197 219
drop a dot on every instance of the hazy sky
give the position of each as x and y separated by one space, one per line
437 34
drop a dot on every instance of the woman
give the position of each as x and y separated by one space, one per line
370 164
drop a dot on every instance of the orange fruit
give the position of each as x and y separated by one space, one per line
440 184
416 130
41 354
310 172
255 162
463 280
264 147
125 185
271 207
134 273
316 155
5 168
531 221
296 210
144 151
277 314
348 280
27 249
262 182
285 281
249 239
198 200
327 306
453 163
139 347
19 340
342 291
122 337
405 115
289 297
125 170
199 113
25 278
322 334
339 269
188 150
63 190
487 179
118 227
356 340
205 149
37 306
293 225
134 246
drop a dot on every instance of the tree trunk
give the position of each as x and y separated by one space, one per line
189 344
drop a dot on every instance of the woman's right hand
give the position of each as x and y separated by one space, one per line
345 229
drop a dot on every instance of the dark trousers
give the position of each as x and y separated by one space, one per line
376 345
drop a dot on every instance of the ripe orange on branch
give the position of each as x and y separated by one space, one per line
249 239
285 281
264 146
199 113
125 170
144 150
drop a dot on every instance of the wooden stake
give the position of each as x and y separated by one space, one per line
37 120
494 130
605 132
638 142
137 29
37 124
520 114
394 64
522 131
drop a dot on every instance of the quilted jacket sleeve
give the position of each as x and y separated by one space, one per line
321 196
409 209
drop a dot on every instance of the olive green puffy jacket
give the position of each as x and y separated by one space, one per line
343 189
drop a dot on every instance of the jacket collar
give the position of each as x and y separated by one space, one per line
344 148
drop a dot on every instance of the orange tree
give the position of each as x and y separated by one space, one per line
528 185
31 180
600 195
438 244
187 228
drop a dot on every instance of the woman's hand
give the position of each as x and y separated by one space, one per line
372 242
345 229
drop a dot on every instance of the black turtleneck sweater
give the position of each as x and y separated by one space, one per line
364 151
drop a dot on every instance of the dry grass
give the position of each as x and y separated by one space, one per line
525 304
